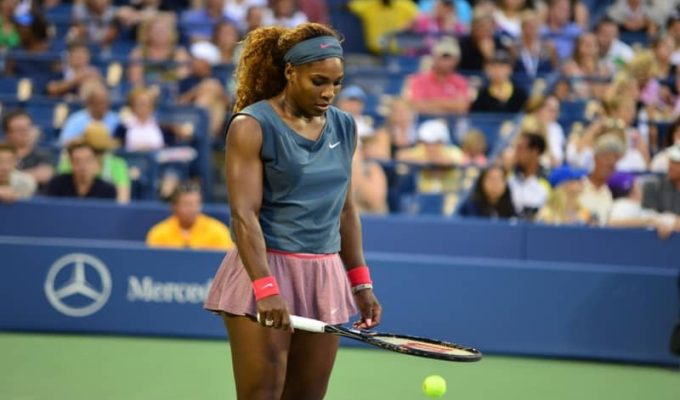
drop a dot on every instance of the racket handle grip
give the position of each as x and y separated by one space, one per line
307 324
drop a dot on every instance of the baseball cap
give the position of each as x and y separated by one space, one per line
23 19
621 183
434 131
352 92
206 51
97 136
447 46
564 174
674 153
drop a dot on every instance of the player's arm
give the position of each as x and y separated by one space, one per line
352 255
244 173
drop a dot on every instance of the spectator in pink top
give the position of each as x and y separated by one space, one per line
443 19
440 90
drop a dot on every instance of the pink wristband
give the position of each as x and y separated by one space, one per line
265 287
359 276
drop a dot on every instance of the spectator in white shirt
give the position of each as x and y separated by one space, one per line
614 53
283 13
528 184
627 210
596 196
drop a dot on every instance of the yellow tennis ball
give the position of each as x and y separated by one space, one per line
434 386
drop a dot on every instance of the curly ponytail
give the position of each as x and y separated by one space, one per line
260 71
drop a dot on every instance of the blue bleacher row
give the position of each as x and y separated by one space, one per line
44 112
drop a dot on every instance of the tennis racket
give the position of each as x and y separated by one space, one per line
411 345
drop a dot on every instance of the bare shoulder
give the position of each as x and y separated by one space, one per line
245 133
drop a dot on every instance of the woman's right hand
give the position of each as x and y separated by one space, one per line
273 313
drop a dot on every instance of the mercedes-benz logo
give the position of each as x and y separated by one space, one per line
77 284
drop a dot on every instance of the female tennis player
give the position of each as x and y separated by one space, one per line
296 228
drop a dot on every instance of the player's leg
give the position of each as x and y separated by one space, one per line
310 362
259 357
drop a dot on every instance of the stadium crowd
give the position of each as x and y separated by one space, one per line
557 111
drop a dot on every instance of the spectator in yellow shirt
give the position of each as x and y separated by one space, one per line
188 227
383 17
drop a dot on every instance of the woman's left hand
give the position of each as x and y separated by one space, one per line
369 308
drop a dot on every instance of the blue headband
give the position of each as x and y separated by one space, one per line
315 49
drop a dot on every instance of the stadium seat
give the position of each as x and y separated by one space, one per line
20 87
143 173
430 203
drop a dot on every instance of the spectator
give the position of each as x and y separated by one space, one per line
97 108
14 184
500 94
131 17
559 30
547 110
673 30
36 62
315 10
440 90
643 68
663 48
463 9
201 89
237 11
586 73
254 18
578 11
508 17
158 58
9 37
528 183
283 13
474 148
442 20
563 206
77 72
381 18
660 161
188 227
352 100
627 210
369 184
83 181
434 151
94 21
112 169
633 15
663 194
139 131
21 134
198 24
596 196
481 44
491 197
534 55
614 53
226 37
398 132
620 114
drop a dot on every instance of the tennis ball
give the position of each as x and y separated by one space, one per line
434 386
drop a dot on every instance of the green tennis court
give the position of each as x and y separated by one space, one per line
36 366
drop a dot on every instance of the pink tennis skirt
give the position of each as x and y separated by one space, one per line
313 285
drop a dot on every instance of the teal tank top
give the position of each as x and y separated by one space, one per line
305 182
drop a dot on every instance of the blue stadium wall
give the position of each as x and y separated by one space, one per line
505 288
